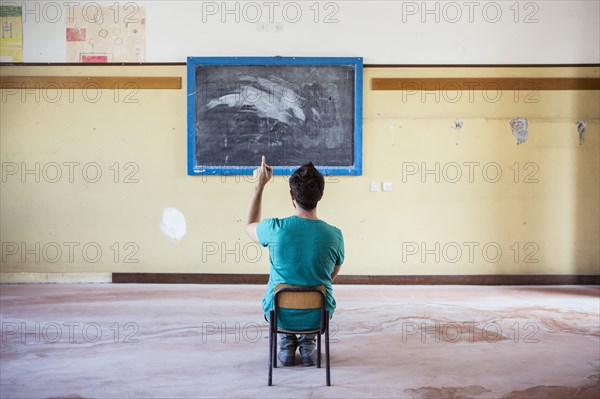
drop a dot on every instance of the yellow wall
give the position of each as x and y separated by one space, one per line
554 218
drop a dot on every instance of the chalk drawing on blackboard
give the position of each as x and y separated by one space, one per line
294 112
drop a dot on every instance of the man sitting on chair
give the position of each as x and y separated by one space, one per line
303 249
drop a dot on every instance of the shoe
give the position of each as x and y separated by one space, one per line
309 356
308 361
285 358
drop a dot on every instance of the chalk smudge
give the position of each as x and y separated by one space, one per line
281 105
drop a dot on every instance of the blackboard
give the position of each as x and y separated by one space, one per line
291 109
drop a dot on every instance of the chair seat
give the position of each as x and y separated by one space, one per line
283 330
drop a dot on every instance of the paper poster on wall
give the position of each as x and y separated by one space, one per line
107 34
11 39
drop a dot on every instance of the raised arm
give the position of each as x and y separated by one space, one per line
261 175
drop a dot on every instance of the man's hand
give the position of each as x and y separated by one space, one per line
262 174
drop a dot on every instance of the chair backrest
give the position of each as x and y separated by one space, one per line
299 297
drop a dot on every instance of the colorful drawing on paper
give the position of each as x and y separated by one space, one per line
107 34
11 39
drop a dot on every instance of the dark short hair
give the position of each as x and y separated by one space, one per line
307 185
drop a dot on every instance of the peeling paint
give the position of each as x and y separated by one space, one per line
581 125
519 128
458 124
173 224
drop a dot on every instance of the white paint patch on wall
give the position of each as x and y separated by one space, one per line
172 224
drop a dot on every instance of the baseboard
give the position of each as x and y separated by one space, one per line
224 278
32 278
478 279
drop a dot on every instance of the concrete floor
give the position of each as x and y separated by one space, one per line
116 341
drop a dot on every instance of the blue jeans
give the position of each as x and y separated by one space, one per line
306 342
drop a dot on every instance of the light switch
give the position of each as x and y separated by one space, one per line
387 186
375 186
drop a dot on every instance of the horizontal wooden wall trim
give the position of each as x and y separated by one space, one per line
485 84
175 82
477 279
100 82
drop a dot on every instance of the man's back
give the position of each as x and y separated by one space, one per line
302 252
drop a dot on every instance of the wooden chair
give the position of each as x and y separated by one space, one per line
299 297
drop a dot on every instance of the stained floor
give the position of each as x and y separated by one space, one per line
195 341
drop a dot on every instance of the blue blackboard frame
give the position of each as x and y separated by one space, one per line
193 62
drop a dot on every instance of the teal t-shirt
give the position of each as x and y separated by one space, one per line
302 252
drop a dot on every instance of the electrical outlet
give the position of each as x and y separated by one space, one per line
387 186
375 186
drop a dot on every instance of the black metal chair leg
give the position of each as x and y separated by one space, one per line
274 350
328 376
270 380
319 350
